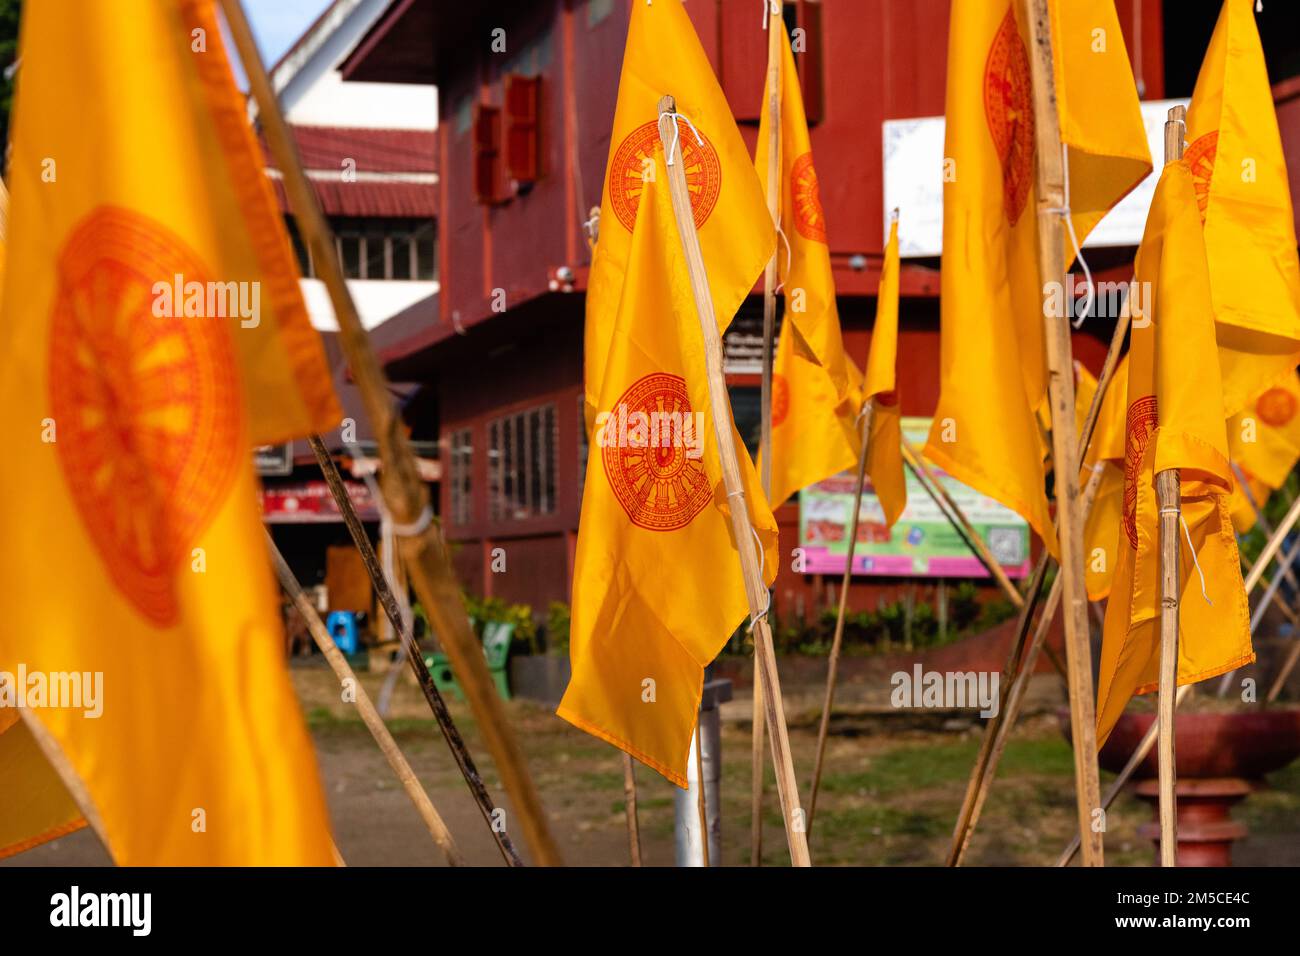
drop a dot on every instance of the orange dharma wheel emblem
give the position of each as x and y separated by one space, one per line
1143 417
1200 160
780 399
649 467
1276 407
809 218
1009 109
635 156
148 409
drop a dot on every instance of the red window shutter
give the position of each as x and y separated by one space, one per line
523 99
487 154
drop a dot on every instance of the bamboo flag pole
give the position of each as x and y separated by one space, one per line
1051 205
427 558
629 805
775 32
823 728
701 803
742 529
369 716
1169 498
1005 720
1272 546
985 763
388 601
957 518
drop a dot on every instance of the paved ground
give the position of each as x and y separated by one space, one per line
890 795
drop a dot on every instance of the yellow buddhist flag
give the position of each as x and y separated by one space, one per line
815 386
663 56
657 586
1106 455
1175 420
885 451
993 373
152 331
1264 443
1234 151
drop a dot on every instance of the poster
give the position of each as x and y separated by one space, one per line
922 543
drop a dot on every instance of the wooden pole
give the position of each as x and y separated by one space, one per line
868 410
1271 547
369 716
742 529
629 804
771 275
427 558
953 512
985 765
392 610
1169 498
1051 199
1139 755
700 800
1001 726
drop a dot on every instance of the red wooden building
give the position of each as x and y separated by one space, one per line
522 147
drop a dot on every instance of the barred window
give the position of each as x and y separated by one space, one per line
460 468
375 248
521 464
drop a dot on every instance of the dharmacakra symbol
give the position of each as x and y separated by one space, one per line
1143 417
659 486
1200 160
627 169
1276 407
809 218
148 408
1009 108
780 398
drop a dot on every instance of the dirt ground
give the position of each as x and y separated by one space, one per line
890 793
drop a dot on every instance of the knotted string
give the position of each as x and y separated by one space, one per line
1064 213
677 133
762 566
1191 547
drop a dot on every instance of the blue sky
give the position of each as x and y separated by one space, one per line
276 24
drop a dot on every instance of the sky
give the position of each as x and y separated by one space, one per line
276 24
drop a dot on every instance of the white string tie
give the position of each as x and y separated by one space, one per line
1064 213
771 8
1190 547
677 133
789 257
416 527
762 564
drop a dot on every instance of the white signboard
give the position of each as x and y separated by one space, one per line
914 184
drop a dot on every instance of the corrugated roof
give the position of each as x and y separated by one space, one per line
373 150
368 198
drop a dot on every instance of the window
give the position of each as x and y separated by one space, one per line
377 248
523 99
488 172
521 464
460 471
598 10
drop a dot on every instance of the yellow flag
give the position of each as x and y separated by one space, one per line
1175 420
34 804
993 374
657 587
131 527
885 452
1234 151
663 55
1105 454
815 397
1264 443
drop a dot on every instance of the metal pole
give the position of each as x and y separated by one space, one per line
686 803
